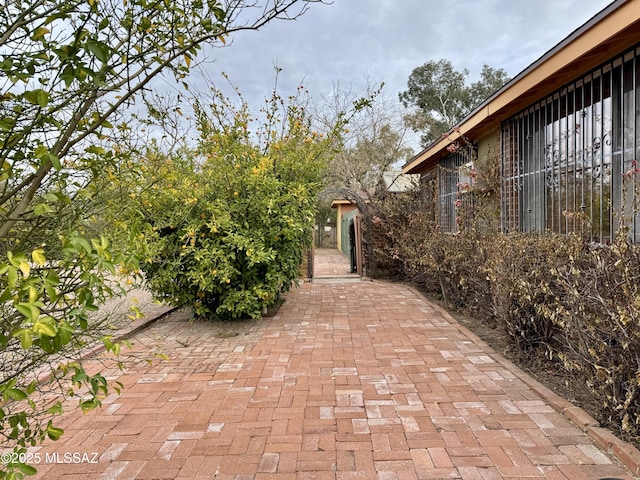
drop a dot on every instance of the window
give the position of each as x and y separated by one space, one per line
564 158
453 186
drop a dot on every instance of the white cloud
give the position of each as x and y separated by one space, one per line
349 41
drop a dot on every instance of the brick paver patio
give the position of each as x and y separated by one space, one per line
352 381
330 262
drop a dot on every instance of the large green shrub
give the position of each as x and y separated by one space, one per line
69 73
225 226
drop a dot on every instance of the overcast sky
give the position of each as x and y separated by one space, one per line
350 41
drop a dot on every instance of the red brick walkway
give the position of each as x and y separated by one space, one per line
350 381
331 263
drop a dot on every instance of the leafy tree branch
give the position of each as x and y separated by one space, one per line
69 71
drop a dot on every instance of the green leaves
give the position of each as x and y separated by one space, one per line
28 469
99 49
43 153
441 97
45 327
46 314
227 223
37 97
70 69
14 394
38 256
54 433
25 336
39 33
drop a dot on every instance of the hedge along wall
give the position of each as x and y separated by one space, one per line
570 302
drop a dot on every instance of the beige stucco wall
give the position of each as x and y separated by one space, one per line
488 164
489 145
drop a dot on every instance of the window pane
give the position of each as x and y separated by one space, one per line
564 158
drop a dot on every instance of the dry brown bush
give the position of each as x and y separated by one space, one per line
560 299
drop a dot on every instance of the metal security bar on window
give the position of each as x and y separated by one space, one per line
453 188
564 157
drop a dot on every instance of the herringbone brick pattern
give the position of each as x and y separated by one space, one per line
349 381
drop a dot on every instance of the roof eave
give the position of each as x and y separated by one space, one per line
527 80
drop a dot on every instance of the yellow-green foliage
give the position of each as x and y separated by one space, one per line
69 71
224 227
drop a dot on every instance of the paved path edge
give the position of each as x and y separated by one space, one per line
120 335
129 330
624 452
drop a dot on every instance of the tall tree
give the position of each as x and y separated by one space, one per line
375 143
440 96
69 70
